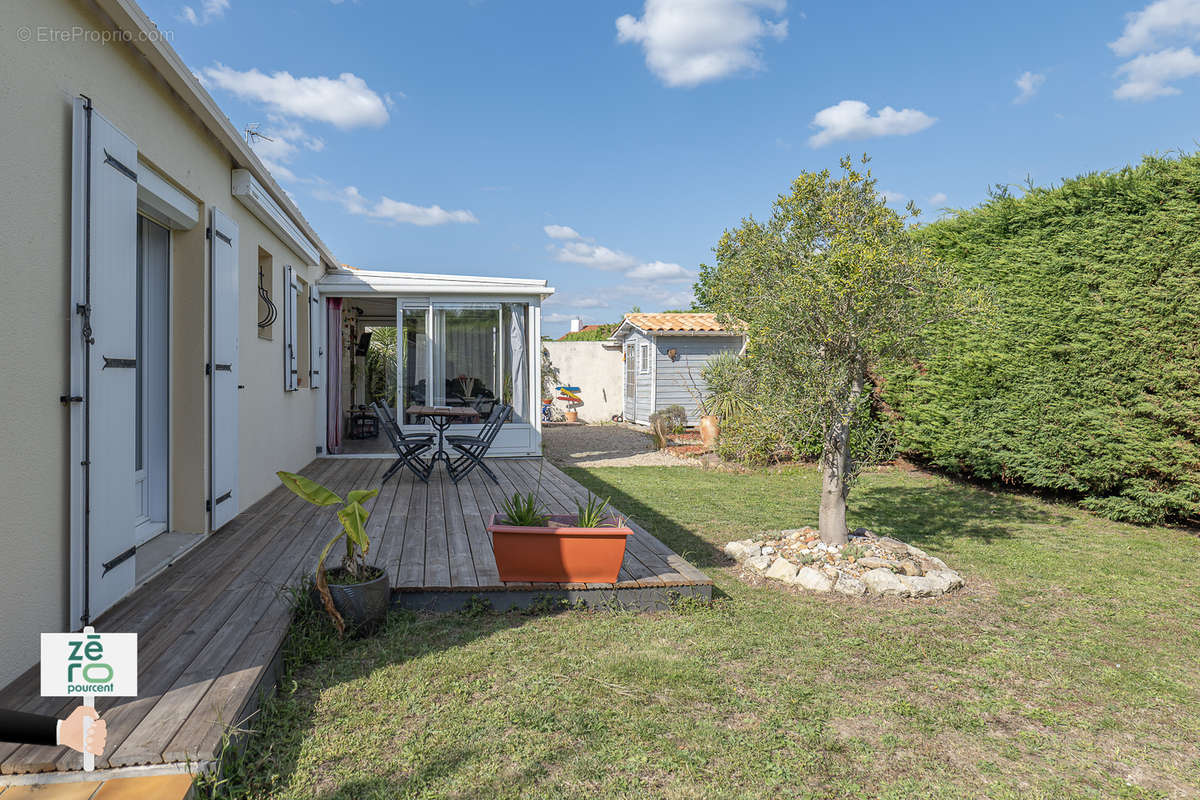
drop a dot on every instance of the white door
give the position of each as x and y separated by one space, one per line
104 362
223 371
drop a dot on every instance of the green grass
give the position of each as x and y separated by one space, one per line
1067 668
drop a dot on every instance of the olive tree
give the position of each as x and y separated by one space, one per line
832 283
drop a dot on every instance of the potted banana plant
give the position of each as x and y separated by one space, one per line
531 544
354 594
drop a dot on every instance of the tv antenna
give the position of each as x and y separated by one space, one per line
252 134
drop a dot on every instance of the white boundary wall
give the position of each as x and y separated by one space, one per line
596 371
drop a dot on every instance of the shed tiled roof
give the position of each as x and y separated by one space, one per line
681 323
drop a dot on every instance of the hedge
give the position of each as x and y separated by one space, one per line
1084 377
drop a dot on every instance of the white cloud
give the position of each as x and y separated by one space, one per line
593 255
1148 76
660 271
689 42
345 101
209 10
895 198
574 248
851 119
1156 66
561 232
1028 83
938 199
557 316
395 211
1161 19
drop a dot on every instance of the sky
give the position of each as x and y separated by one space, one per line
605 146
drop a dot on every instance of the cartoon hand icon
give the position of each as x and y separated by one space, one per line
71 732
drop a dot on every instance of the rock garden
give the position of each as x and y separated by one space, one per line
866 564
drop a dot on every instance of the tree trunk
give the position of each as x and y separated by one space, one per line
836 467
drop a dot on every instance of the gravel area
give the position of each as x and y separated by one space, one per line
605 446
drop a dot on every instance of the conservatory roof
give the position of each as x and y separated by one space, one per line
350 281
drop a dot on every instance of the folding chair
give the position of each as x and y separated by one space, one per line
475 448
407 447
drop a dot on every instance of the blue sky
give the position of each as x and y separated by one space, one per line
606 145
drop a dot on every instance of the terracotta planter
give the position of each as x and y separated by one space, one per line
709 428
572 416
563 554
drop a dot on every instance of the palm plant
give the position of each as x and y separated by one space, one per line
381 366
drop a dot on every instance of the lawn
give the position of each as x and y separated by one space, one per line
1068 667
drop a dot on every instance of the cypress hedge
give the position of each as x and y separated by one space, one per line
1084 376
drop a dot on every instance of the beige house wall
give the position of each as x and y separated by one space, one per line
38 83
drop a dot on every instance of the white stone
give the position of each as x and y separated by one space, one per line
812 580
953 579
742 549
759 563
920 586
768 550
782 570
884 581
850 586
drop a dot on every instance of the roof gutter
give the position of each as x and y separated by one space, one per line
146 40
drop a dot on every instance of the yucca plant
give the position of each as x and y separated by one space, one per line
353 517
594 513
525 510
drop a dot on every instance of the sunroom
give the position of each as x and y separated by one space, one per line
407 340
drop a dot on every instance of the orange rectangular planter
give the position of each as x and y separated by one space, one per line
558 554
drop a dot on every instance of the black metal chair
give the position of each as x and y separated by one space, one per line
475 448
408 448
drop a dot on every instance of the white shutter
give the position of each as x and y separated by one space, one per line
315 350
291 294
103 368
223 379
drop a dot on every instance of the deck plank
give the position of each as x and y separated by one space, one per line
437 556
458 543
410 571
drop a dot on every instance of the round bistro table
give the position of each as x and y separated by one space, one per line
441 418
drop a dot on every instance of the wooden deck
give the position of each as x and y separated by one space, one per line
210 627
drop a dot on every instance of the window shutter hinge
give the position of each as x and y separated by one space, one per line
208 233
208 368
208 505
67 399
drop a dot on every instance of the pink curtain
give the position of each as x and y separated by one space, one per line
333 381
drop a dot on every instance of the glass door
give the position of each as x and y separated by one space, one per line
466 364
413 361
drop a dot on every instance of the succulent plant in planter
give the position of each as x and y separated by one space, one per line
354 592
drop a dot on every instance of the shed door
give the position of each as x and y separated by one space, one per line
631 382
223 381
104 360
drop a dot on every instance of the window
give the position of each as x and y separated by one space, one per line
296 344
644 359
303 340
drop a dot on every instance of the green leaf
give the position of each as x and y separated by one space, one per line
354 519
361 495
308 490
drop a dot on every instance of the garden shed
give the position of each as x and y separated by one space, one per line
664 356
